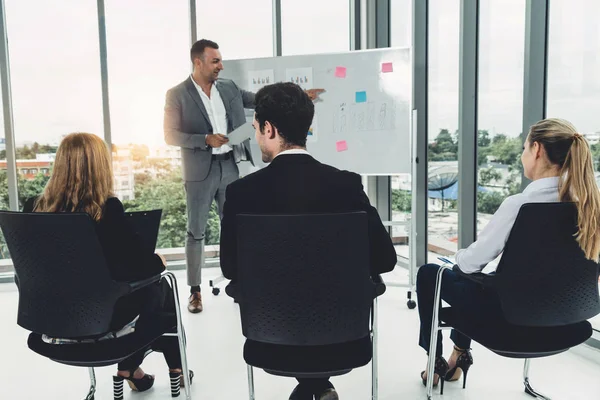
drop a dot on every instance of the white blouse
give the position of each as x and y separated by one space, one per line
490 242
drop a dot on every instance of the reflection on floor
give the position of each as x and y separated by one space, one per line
215 354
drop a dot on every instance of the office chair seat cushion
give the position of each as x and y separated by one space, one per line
308 375
280 359
103 353
518 341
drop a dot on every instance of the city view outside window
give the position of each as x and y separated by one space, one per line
148 53
574 72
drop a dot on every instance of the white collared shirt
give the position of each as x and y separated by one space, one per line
293 151
216 113
490 242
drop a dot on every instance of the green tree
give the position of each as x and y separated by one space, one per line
487 175
161 166
507 151
482 155
26 153
31 188
499 138
401 200
27 189
596 155
168 194
483 138
141 179
444 147
483 146
489 202
139 152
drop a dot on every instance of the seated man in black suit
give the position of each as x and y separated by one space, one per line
295 182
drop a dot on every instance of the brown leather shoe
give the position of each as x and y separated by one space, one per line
195 303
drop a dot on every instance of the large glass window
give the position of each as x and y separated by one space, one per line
55 76
4 202
574 71
401 23
242 28
574 65
148 53
444 26
500 109
401 36
315 26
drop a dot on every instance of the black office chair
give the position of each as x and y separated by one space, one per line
146 225
65 291
547 290
304 281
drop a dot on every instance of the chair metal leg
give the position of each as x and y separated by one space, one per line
250 383
374 365
92 391
528 389
435 328
180 336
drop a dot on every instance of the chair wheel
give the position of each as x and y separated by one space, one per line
411 304
216 291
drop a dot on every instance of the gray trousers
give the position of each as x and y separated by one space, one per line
199 197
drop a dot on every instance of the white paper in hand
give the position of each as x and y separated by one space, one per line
241 134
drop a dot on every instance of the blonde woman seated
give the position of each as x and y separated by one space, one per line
558 160
82 181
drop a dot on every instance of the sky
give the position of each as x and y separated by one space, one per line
55 67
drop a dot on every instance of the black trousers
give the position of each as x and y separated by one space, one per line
160 301
467 297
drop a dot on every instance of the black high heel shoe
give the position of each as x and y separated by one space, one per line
440 369
463 363
139 385
177 382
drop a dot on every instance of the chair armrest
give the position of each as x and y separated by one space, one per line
485 280
137 285
380 287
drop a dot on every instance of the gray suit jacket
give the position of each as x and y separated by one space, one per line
186 124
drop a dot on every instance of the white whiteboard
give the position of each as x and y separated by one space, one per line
362 121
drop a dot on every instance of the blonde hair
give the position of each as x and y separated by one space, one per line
571 152
82 178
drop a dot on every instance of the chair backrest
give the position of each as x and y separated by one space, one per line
304 279
146 224
543 278
65 289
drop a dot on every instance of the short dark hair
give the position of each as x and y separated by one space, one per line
198 48
288 108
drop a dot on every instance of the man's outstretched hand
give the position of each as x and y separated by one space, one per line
313 94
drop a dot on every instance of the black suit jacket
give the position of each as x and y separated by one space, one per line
297 184
127 259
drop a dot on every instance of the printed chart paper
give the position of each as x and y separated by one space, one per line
258 79
300 76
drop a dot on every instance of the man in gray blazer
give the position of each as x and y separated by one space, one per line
199 113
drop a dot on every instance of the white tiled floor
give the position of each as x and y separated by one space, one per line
215 353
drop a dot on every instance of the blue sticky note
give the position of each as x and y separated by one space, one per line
361 97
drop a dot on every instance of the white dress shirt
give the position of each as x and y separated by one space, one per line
492 238
216 113
293 151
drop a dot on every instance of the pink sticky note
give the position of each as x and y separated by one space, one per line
340 72
341 145
387 67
